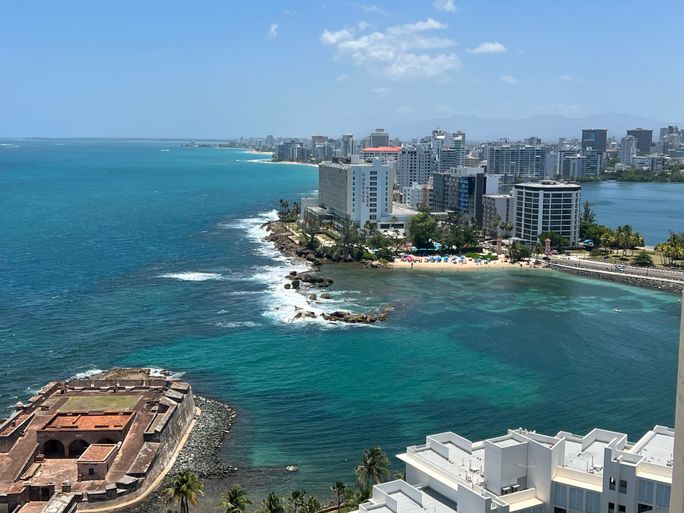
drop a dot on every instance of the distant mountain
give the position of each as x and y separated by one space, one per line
548 126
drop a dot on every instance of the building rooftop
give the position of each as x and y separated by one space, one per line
97 452
386 149
548 184
88 422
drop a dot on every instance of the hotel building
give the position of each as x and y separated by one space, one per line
546 206
360 192
528 472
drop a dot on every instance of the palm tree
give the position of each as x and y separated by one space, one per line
374 468
339 489
312 505
185 489
235 500
296 500
271 504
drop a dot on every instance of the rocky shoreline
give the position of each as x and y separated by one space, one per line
201 453
306 282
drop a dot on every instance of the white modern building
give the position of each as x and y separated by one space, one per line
528 472
546 206
419 195
359 192
415 164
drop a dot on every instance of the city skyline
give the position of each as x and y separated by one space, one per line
161 70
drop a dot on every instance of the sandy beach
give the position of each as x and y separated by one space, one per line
467 265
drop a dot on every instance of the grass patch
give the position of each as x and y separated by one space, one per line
108 401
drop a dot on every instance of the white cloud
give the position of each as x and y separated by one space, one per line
405 109
288 12
273 30
380 92
342 77
401 51
488 47
510 80
445 5
570 79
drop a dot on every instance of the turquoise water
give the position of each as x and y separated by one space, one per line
651 208
119 253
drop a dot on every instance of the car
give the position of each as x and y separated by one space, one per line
619 268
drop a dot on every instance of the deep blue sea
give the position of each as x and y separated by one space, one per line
150 254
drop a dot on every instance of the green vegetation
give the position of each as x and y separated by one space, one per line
482 256
672 250
643 259
633 175
422 229
557 242
621 238
109 402
184 489
235 500
518 251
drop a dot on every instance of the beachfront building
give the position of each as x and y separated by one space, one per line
461 190
546 206
528 472
628 150
360 192
496 209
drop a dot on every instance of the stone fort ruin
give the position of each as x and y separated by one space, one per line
88 442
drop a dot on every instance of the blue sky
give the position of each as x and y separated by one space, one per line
228 68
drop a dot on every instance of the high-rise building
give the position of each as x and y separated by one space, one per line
461 190
644 139
419 195
533 141
669 130
359 192
517 161
269 141
348 146
415 164
379 138
595 139
547 206
628 150
451 157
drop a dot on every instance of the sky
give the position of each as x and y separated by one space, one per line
124 68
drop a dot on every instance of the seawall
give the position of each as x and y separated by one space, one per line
656 279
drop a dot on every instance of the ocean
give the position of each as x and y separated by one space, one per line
147 253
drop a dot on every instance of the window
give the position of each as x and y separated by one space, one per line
644 508
593 502
560 495
611 507
623 486
91 471
611 483
622 509
576 498
645 491
662 495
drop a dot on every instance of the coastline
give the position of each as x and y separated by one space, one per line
468 265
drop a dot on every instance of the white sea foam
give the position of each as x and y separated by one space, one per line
238 324
86 374
193 276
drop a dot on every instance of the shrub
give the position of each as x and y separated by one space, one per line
643 259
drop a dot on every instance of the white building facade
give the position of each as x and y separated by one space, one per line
415 164
527 472
546 206
360 192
